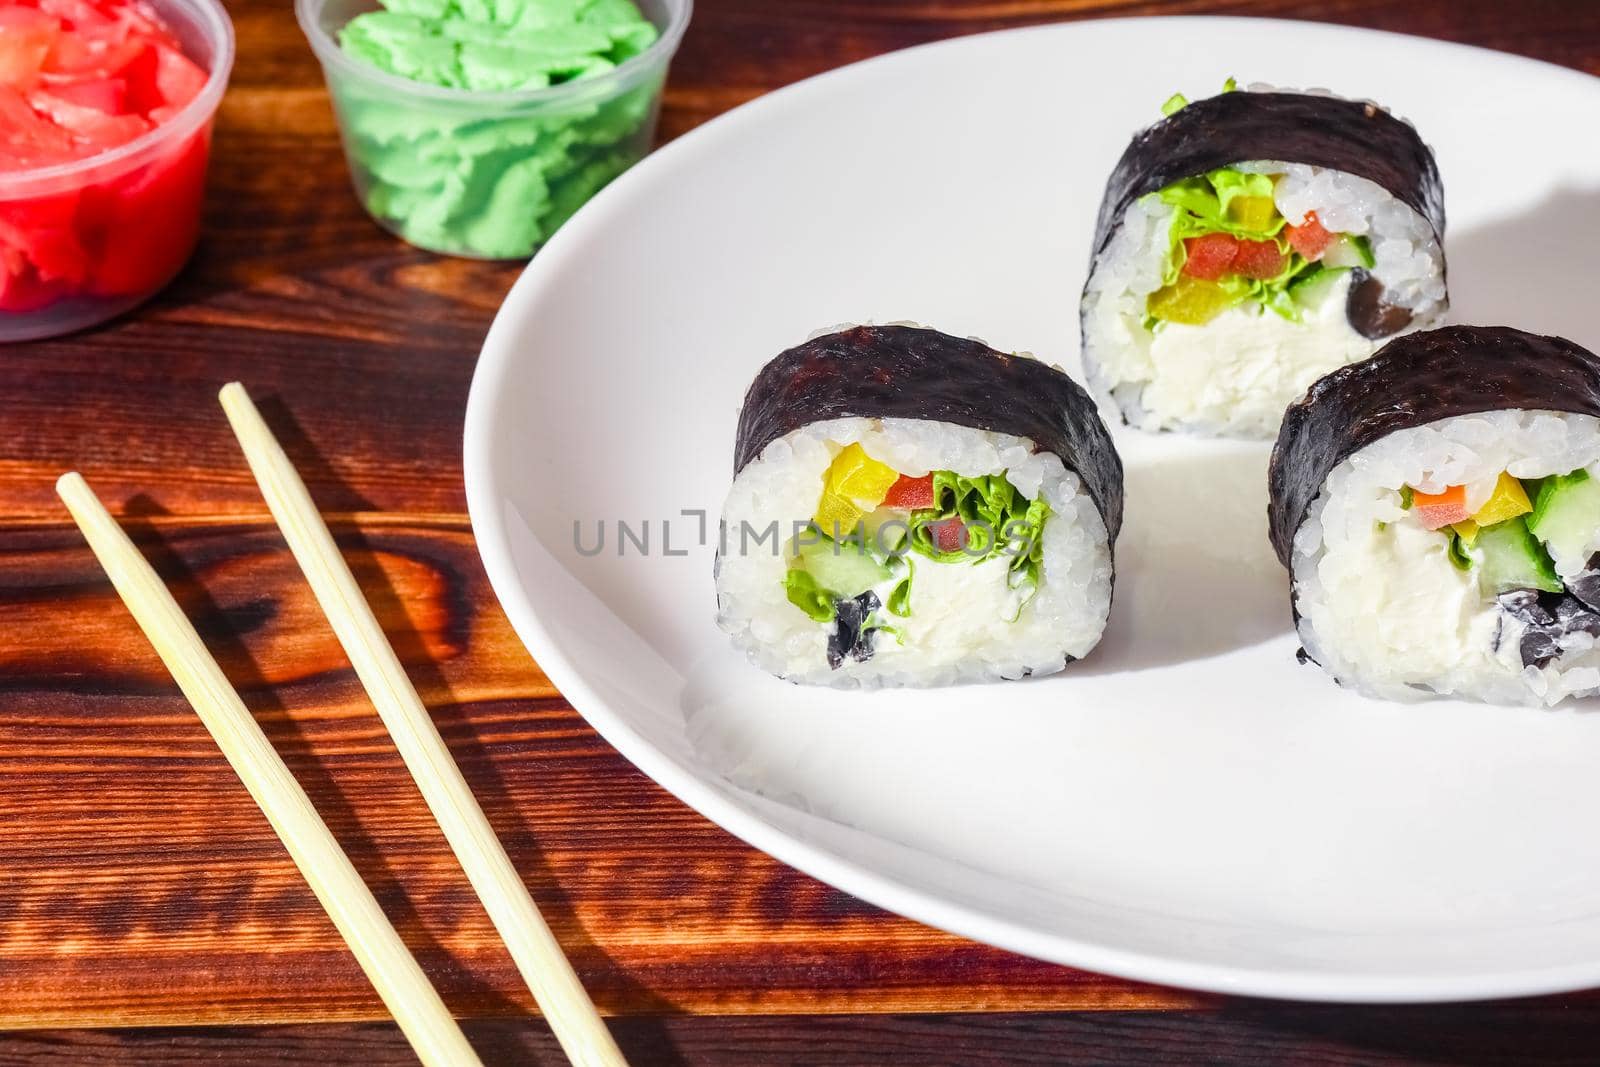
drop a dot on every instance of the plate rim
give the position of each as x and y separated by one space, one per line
889 893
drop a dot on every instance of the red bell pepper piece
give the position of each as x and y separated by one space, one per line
1209 256
1438 510
1259 259
910 493
1309 238
949 535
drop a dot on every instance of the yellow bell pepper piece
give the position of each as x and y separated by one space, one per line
859 477
1191 301
1467 530
854 484
833 509
1507 501
1252 212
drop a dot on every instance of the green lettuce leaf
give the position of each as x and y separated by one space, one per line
900 596
982 504
1202 207
805 594
1275 293
1196 196
1177 101
999 521
876 625
1026 566
1230 185
1277 300
1208 196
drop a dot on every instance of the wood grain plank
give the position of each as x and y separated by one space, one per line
143 886
1504 1035
138 885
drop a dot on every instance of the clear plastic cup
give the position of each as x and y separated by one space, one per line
84 241
489 175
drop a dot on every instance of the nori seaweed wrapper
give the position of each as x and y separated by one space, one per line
1414 380
904 372
1236 127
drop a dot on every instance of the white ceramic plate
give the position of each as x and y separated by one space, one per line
1188 805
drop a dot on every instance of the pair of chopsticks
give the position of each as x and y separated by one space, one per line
399 980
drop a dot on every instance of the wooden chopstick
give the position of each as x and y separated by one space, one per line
534 949
405 990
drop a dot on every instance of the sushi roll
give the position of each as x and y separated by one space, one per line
1250 243
1438 508
910 508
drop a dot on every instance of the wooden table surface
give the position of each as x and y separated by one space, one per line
148 914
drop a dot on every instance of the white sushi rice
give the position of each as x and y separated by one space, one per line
1235 375
957 630
1381 606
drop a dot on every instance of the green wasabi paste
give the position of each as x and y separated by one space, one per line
493 179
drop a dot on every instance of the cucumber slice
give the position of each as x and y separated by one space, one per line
1566 513
1348 251
842 569
1510 557
1311 289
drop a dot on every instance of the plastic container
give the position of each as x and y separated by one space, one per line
84 241
489 175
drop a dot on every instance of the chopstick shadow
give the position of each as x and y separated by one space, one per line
222 630
331 492
479 760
